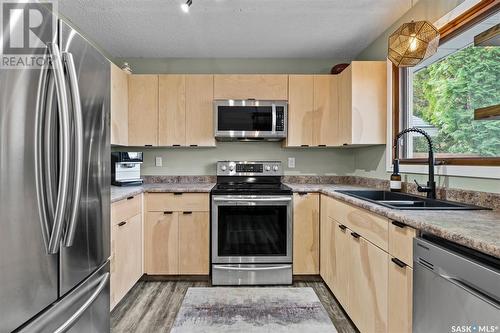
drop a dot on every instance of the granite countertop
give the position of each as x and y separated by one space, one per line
479 230
121 192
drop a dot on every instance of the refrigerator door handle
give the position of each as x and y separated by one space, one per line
69 65
64 128
44 89
81 310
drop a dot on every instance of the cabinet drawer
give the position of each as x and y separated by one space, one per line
124 209
401 242
371 226
177 202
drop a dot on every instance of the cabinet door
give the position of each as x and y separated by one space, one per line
327 246
368 286
199 110
400 298
194 243
341 260
368 102
162 243
126 258
306 233
172 110
326 114
345 106
300 110
119 106
270 87
143 110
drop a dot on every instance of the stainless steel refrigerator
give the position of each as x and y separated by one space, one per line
55 192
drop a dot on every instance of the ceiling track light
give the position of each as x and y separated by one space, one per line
185 6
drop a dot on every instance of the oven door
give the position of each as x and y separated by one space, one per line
251 229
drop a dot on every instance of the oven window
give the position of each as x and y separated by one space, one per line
252 231
245 118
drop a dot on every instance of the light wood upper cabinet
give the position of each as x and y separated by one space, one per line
161 242
363 103
326 115
143 110
312 110
172 110
270 87
368 280
119 106
306 233
199 110
194 243
400 299
300 110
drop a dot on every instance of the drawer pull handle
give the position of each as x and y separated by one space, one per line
148 145
167 213
130 198
177 193
187 213
398 262
321 145
398 224
121 224
304 145
355 235
176 145
193 145
342 227
302 193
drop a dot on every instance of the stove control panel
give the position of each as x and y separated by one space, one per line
249 168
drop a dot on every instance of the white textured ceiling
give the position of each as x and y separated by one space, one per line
336 29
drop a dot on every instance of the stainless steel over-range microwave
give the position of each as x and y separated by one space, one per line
248 120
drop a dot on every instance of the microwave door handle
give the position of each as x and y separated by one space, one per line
69 65
274 118
64 144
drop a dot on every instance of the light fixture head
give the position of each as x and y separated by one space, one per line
185 6
412 42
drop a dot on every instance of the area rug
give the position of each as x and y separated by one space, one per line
252 310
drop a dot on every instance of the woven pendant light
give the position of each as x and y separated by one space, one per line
412 43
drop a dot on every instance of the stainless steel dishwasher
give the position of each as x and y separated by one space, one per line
455 289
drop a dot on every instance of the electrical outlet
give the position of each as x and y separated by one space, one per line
158 161
291 162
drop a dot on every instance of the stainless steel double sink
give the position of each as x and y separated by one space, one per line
397 200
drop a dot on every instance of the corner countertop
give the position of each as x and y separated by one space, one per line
121 192
479 230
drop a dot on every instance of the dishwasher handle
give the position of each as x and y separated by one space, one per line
471 289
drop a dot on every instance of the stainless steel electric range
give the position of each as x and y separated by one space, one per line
251 224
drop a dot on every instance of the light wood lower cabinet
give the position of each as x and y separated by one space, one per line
126 256
367 299
306 233
374 287
194 243
177 242
161 242
400 298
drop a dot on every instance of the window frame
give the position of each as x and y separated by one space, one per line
475 14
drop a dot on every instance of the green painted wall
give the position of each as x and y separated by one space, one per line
201 161
370 161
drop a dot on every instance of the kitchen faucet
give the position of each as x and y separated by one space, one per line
430 189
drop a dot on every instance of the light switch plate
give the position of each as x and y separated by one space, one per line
291 162
158 161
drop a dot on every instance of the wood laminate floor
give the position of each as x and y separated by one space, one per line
151 306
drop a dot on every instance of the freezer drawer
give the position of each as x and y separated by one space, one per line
84 309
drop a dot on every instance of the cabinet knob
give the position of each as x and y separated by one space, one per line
187 213
122 223
355 235
342 227
177 193
398 224
167 213
130 198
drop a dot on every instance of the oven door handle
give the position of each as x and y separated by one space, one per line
251 200
266 268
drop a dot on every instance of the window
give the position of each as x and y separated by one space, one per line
440 94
